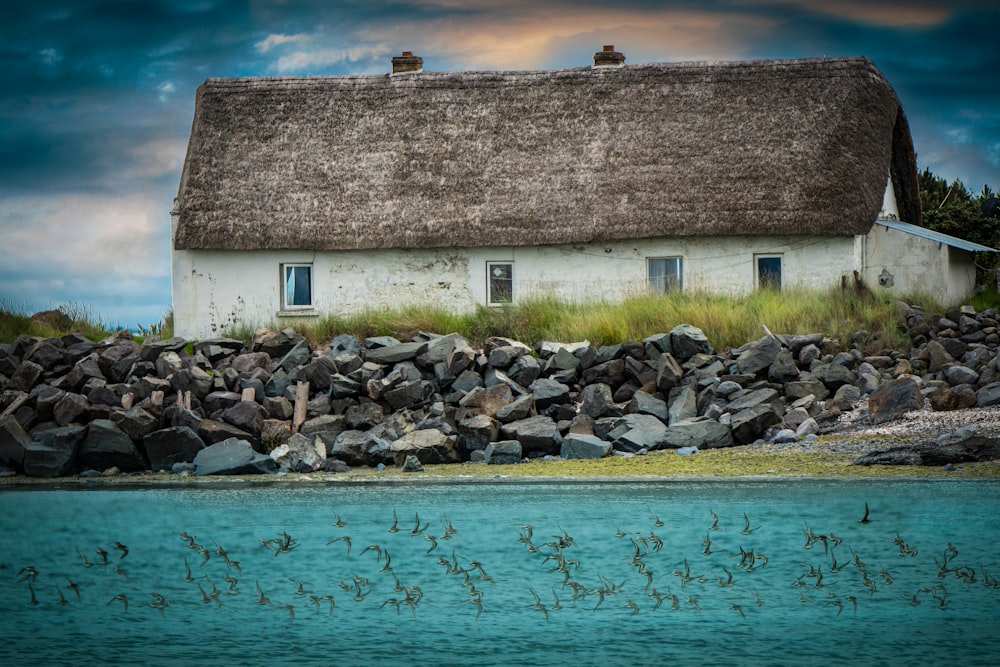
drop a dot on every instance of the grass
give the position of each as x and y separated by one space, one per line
727 321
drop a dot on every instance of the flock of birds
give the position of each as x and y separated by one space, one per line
633 572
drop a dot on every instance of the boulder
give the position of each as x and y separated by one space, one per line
175 444
611 373
477 432
988 395
301 453
537 435
683 405
634 432
430 446
503 452
964 445
105 446
687 340
647 404
247 416
26 376
212 431
949 398
232 457
52 453
699 432
70 408
393 354
750 424
957 374
548 392
583 446
783 369
891 400
519 408
13 442
596 400
758 355
668 373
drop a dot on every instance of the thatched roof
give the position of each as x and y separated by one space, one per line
444 159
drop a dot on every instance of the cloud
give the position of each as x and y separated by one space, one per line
270 41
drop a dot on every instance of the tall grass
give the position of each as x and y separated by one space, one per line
727 321
68 318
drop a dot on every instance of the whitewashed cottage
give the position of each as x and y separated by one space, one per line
309 195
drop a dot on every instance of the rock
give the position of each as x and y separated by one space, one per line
783 369
758 355
957 374
750 424
846 397
938 356
635 432
152 349
893 399
105 445
26 376
70 408
525 370
412 464
806 385
962 446
668 373
833 376
611 373
317 372
806 428
301 453
687 340
988 395
698 433
582 446
13 442
393 354
684 405
52 453
169 446
503 452
232 457
477 432
428 445
647 404
597 401
220 400
548 392
515 410
536 434
948 399
726 388
135 423
754 398
409 394
246 416
212 431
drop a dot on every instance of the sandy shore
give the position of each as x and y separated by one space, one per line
828 456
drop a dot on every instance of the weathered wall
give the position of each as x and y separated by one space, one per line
216 289
917 264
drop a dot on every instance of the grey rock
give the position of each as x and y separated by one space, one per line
232 457
754 398
957 374
698 432
758 355
635 432
582 446
487 400
135 422
806 385
412 464
668 373
246 416
750 424
477 432
611 373
687 340
364 415
783 369
846 397
105 446
988 395
548 392
525 370
684 405
212 431
833 376
809 354
503 452
807 428
647 404
727 387
537 434
301 453
168 446
52 452
392 354
13 442
345 344
519 408
220 400
69 409
938 356
26 376
596 400
430 446
152 349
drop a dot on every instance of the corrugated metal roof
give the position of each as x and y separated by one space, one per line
930 234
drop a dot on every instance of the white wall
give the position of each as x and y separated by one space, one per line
217 289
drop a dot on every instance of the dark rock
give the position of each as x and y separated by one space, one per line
668 373
26 376
503 452
70 408
965 445
893 399
846 397
429 446
548 392
647 404
47 355
582 446
13 442
221 400
217 349
232 457
175 444
562 360
52 453
754 398
106 446
277 345
938 357
635 432
477 432
392 354
316 372
487 400
988 395
151 349
749 424
519 408
783 369
597 401
643 373
699 432
833 376
683 404
687 340
806 385
345 344
611 373
957 374
758 355
412 464
364 415
246 416
335 465
301 453
135 422
212 431
536 434
246 363
409 394
525 370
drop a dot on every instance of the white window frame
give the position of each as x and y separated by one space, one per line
490 277
756 269
284 274
675 285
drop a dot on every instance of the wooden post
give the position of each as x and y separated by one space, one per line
17 403
156 398
187 400
301 399
128 400
250 395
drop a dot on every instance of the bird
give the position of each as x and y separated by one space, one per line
345 539
715 521
633 606
70 584
865 518
337 522
394 528
538 605
656 520
122 548
376 548
62 598
122 598
261 598
738 609
746 528
433 541
29 572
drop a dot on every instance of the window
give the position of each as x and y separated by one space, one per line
664 273
296 286
768 271
500 282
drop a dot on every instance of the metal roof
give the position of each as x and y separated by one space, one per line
930 234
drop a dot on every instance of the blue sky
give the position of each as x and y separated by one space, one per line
97 97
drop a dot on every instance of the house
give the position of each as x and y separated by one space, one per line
308 195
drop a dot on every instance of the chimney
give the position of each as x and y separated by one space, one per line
608 57
407 63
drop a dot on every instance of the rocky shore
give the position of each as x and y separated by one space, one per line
71 407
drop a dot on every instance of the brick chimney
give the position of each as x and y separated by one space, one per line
407 63
608 57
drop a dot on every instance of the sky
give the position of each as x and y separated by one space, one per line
97 98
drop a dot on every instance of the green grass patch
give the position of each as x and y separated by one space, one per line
727 321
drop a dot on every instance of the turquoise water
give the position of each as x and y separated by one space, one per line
896 605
